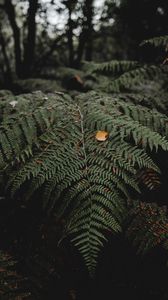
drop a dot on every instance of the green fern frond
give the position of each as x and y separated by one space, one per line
112 118
160 41
113 67
58 158
135 77
17 141
155 100
152 118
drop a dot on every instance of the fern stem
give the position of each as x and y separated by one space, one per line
83 138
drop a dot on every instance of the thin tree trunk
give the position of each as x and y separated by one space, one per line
70 38
89 15
81 47
85 38
29 49
10 10
8 75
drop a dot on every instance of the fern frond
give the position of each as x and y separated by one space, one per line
114 67
160 41
17 141
110 117
58 158
148 225
149 178
152 118
135 77
156 100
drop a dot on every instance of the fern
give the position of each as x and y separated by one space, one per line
136 77
149 178
147 83
52 152
154 100
147 225
17 141
113 67
160 41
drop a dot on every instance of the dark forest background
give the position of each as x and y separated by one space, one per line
32 45
38 51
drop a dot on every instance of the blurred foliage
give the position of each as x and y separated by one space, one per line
64 31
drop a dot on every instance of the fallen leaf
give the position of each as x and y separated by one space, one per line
78 78
102 135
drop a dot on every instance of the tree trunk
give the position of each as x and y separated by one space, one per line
89 17
9 8
29 49
81 47
7 74
70 38
85 38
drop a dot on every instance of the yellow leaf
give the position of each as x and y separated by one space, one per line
102 135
